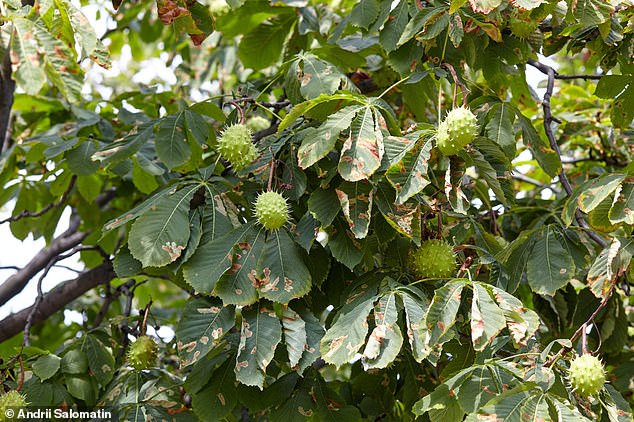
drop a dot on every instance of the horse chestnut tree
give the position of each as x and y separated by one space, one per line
319 210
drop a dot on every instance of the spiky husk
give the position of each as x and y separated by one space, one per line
142 353
586 375
11 399
271 210
434 259
258 123
236 146
457 130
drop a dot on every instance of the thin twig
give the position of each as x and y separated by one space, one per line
583 326
10 267
526 179
458 82
548 120
144 321
25 213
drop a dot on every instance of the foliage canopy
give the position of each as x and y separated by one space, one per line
323 318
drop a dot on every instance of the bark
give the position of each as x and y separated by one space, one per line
57 299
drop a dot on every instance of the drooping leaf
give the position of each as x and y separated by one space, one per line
409 176
347 335
171 142
362 151
521 322
622 210
549 266
356 204
280 273
100 359
259 336
321 141
547 158
219 397
415 304
591 12
484 6
204 322
46 366
385 341
294 328
323 206
160 235
500 128
441 316
394 27
487 319
263 46
365 13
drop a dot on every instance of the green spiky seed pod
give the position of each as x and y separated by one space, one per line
586 375
236 146
142 353
457 130
434 259
11 400
258 123
271 210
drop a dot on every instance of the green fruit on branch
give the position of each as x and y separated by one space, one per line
236 146
457 130
142 353
434 259
271 210
258 123
586 375
9 402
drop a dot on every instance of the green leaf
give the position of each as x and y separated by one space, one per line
604 268
218 399
356 204
46 366
546 157
415 304
319 142
483 383
365 13
322 205
215 256
259 336
74 362
362 151
593 192
622 210
487 319
202 325
616 407
280 273
521 322
344 247
347 334
500 128
79 386
263 46
409 176
419 21
171 142
29 73
591 12
80 161
90 44
441 316
453 189
100 359
124 263
304 108
484 6
385 341
295 337
405 218
314 333
441 405
160 235
549 265
394 27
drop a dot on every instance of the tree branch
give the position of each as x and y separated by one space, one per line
67 240
7 88
62 200
526 179
548 120
57 299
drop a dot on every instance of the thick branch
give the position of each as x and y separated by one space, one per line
57 299
67 240
7 88
548 120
